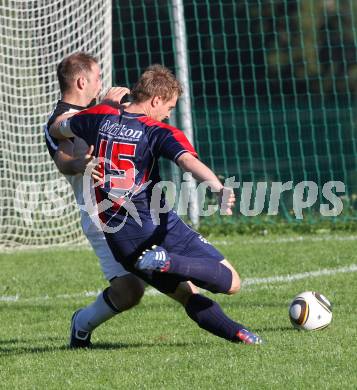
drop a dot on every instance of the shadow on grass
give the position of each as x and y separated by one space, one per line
275 329
36 349
27 341
111 346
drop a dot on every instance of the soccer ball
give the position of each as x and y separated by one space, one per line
310 311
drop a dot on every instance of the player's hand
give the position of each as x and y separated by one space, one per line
97 174
115 95
87 165
94 168
227 200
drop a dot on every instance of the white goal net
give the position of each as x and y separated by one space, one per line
37 207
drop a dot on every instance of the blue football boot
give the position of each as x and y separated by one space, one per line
154 259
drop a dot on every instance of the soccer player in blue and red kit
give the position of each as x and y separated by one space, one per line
157 247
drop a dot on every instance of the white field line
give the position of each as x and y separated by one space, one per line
304 275
285 240
249 282
45 298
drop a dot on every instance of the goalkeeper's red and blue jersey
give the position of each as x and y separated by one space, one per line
129 146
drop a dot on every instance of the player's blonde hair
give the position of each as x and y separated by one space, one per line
157 80
71 66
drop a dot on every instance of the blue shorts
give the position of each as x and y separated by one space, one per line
176 238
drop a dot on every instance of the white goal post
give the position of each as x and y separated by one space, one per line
37 208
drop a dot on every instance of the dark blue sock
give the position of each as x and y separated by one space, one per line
209 316
207 273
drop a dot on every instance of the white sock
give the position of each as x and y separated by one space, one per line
95 314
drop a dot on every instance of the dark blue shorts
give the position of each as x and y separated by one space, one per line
175 238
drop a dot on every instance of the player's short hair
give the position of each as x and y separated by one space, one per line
71 66
157 80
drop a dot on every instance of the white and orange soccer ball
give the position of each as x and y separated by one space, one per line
310 310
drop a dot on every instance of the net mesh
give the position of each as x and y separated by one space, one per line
279 79
273 85
37 207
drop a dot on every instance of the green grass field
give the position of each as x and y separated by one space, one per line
156 346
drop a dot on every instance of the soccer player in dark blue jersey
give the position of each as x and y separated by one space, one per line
158 247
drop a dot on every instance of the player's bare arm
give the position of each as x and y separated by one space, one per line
67 164
64 159
71 160
60 128
188 163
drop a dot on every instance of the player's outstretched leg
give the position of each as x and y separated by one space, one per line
209 316
207 273
123 293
